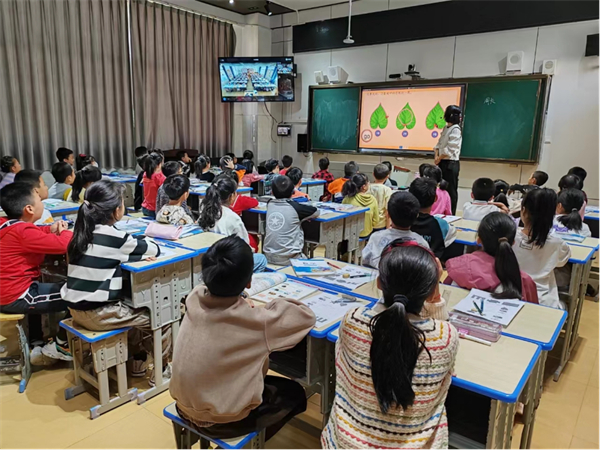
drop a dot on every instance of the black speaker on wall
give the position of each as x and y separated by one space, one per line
591 46
302 143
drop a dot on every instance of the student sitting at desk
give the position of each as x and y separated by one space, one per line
382 194
153 180
9 167
23 247
34 177
443 204
295 174
221 357
324 174
394 366
95 281
202 169
567 218
572 181
251 175
216 214
162 199
177 189
65 155
284 237
403 210
538 251
438 233
243 203
82 160
356 193
84 178
483 204
536 180
335 187
495 268
64 176
580 173
272 167
287 161
184 160
138 197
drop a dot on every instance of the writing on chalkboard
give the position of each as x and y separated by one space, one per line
489 101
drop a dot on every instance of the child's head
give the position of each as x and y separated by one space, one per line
248 165
227 267
103 205
287 161
408 276
231 174
33 177
483 189
84 178
233 157
282 187
177 188
570 181
171 168
324 163
10 164
569 202
453 115
201 165
537 213
424 191
388 164
153 164
65 155
183 157
295 174
63 173
580 172
538 178
272 166
350 168
140 151
403 209
381 172
435 173
356 184
226 162
222 192
248 154
20 200
83 160
497 235
500 187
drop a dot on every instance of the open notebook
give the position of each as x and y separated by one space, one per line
267 287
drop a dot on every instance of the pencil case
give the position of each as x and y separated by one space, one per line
168 232
473 326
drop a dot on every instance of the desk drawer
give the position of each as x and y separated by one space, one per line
304 363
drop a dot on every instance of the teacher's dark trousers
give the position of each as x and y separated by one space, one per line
450 171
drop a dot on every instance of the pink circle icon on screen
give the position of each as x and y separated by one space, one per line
366 135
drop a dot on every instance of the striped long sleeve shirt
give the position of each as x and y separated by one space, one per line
97 276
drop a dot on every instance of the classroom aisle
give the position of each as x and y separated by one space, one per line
41 418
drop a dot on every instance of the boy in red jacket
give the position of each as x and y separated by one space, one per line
23 247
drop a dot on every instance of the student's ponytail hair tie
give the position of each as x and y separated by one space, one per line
574 210
400 300
86 203
503 239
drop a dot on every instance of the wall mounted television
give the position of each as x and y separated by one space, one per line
260 79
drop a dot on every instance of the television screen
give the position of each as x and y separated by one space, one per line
405 118
268 79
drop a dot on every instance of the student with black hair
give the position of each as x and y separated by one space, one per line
494 268
335 187
64 176
382 194
568 219
34 177
83 160
295 174
287 161
84 178
536 180
9 167
443 204
176 188
251 174
216 214
233 395
226 162
572 181
185 162
395 361
272 167
582 174
202 169
138 193
438 233
153 180
403 210
390 182
65 155
324 173
483 203
236 166
356 193
24 247
284 237
501 193
539 251
162 199
447 151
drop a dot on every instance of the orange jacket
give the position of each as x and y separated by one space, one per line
336 185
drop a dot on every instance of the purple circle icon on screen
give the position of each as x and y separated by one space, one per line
378 133
434 134
404 133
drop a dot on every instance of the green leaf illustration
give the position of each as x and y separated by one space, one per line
379 118
406 118
435 118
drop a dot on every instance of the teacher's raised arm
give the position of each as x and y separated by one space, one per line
447 151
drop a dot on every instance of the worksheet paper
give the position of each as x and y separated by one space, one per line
592 209
131 225
362 276
329 308
311 267
165 252
494 310
448 219
288 290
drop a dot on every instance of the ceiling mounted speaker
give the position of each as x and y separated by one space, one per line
514 62
549 66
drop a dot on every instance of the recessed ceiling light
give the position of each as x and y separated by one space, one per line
231 2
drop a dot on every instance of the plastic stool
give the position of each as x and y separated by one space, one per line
186 435
107 349
20 363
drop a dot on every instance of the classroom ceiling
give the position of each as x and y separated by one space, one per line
248 6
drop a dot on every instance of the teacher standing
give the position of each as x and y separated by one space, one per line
447 151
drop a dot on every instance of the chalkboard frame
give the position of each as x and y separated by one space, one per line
539 124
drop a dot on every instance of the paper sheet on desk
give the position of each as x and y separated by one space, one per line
350 283
51 202
165 252
289 289
494 310
329 308
592 209
131 225
448 219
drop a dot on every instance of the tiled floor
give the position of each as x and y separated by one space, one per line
42 418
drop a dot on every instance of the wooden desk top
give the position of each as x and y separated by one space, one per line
179 254
200 241
324 217
466 224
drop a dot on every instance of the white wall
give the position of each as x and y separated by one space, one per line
571 134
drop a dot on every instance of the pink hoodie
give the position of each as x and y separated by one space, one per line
476 270
442 205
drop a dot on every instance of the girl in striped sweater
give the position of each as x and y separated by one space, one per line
394 365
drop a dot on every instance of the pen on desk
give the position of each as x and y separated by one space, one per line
478 308
334 266
474 339
482 304
360 276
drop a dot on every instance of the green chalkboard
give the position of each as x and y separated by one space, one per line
334 119
502 119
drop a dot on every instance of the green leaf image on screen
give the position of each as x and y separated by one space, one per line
379 118
435 118
406 118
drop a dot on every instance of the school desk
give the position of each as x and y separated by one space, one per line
498 373
129 183
160 286
60 208
199 243
200 190
591 219
314 188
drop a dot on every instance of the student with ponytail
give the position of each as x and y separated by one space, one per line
202 169
153 180
83 180
356 192
442 204
568 218
216 214
394 362
495 268
538 251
